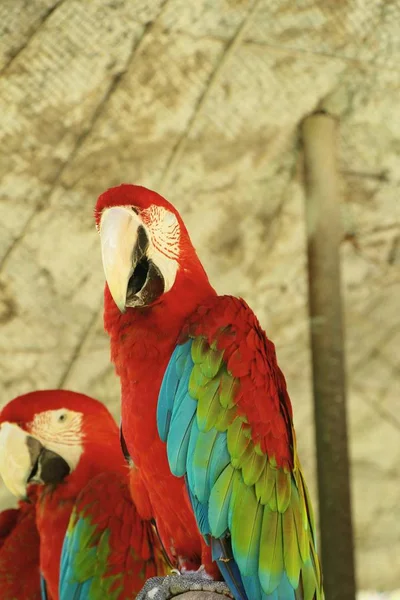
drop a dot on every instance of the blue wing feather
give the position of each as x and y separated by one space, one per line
43 588
222 554
178 438
201 513
166 400
96 562
219 459
69 587
201 455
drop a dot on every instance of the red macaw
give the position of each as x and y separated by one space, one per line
19 552
92 542
206 415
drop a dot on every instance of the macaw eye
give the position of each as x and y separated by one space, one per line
62 417
169 218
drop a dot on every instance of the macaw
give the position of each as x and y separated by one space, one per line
93 545
206 415
19 552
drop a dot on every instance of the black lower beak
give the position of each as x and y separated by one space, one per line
146 283
48 467
52 467
35 448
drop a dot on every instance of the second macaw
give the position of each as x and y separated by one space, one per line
93 545
19 552
206 415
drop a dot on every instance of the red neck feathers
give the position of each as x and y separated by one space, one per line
149 334
142 341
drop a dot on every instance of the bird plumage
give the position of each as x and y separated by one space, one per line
19 553
206 415
226 418
93 544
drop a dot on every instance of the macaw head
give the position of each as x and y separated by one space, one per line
146 248
51 435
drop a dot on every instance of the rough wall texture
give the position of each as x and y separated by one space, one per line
202 102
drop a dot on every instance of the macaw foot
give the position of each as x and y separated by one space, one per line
165 588
200 572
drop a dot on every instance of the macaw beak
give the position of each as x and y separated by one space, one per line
118 233
24 459
132 277
16 459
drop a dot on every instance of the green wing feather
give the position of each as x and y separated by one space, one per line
270 517
252 497
108 551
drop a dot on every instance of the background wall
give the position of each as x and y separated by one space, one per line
202 101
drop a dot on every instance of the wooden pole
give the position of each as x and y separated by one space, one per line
323 236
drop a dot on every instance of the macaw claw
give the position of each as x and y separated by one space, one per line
165 588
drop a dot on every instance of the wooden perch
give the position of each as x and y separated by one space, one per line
324 235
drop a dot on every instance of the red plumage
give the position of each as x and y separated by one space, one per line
102 453
19 553
251 358
101 477
142 341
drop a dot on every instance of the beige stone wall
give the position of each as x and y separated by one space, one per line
202 102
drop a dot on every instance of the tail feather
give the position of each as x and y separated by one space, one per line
222 554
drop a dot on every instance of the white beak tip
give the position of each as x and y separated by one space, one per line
121 308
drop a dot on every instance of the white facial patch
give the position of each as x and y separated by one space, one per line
60 431
164 234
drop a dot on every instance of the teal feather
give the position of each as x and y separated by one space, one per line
239 494
190 469
271 552
182 395
179 435
237 490
169 385
43 588
201 513
218 460
70 588
220 499
221 552
285 589
201 463
246 531
181 358
252 586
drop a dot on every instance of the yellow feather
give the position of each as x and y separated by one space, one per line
228 389
273 502
283 489
199 349
265 484
302 532
252 467
248 452
211 363
236 438
196 382
225 418
291 550
271 551
308 579
208 409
